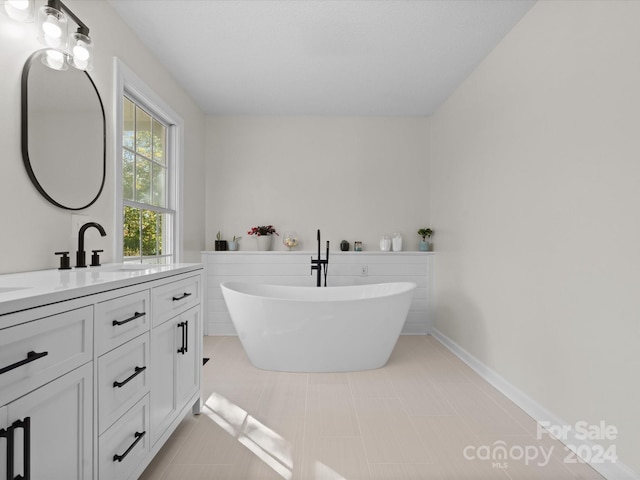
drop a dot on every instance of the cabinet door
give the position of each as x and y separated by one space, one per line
59 428
175 368
164 345
189 361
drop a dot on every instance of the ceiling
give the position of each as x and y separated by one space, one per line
321 57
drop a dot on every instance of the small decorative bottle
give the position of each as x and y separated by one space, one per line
385 243
397 242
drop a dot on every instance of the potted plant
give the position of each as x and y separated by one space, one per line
220 245
263 234
425 245
233 243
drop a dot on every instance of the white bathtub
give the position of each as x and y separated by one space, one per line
308 329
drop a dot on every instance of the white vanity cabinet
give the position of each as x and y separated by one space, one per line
88 362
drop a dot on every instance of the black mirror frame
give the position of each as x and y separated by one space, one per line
25 136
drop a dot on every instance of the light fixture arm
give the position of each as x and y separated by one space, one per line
58 5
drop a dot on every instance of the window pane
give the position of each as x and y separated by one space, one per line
159 142
149 232
128 126
161 223
159 186
131 246
127 174
143 180
143 133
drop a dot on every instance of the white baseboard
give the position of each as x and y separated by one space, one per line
611 471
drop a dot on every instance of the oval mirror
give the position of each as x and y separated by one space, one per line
63 134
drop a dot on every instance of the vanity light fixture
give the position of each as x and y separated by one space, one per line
76 50
19 10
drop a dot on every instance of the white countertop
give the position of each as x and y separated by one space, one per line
20 291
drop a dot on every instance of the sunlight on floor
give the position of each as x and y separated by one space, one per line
271 448
325 473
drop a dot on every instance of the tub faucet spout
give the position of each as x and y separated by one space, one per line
319 265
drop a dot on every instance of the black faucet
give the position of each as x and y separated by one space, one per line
318 264
81 260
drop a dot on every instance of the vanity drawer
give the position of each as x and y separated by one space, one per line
121 319
125 444
174 298
123 379
36 352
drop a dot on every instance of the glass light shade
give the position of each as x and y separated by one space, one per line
52 28
19 10
55 59
81 49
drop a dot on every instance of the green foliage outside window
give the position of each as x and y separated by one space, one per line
143 232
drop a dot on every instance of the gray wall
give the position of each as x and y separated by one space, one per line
535 195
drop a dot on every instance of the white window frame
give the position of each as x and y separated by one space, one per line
126 82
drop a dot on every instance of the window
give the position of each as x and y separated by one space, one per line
147 174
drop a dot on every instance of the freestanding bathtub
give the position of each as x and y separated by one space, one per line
308 329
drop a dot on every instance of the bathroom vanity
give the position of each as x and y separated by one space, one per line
98 367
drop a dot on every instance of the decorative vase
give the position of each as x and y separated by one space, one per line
220 245
264 243
344 246
290 240
397 242
385 243
233 246
424 245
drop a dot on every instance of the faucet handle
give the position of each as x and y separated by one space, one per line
65 263
95 258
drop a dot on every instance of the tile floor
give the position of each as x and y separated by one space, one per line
413 419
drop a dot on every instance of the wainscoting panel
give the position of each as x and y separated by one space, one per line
294 268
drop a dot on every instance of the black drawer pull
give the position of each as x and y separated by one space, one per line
184 295
31 357
138 435
127 320
138 371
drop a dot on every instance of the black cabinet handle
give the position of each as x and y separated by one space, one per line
127 320
26 454
184 295
186 337
8 434
138 435
31 357
182 348
137 371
